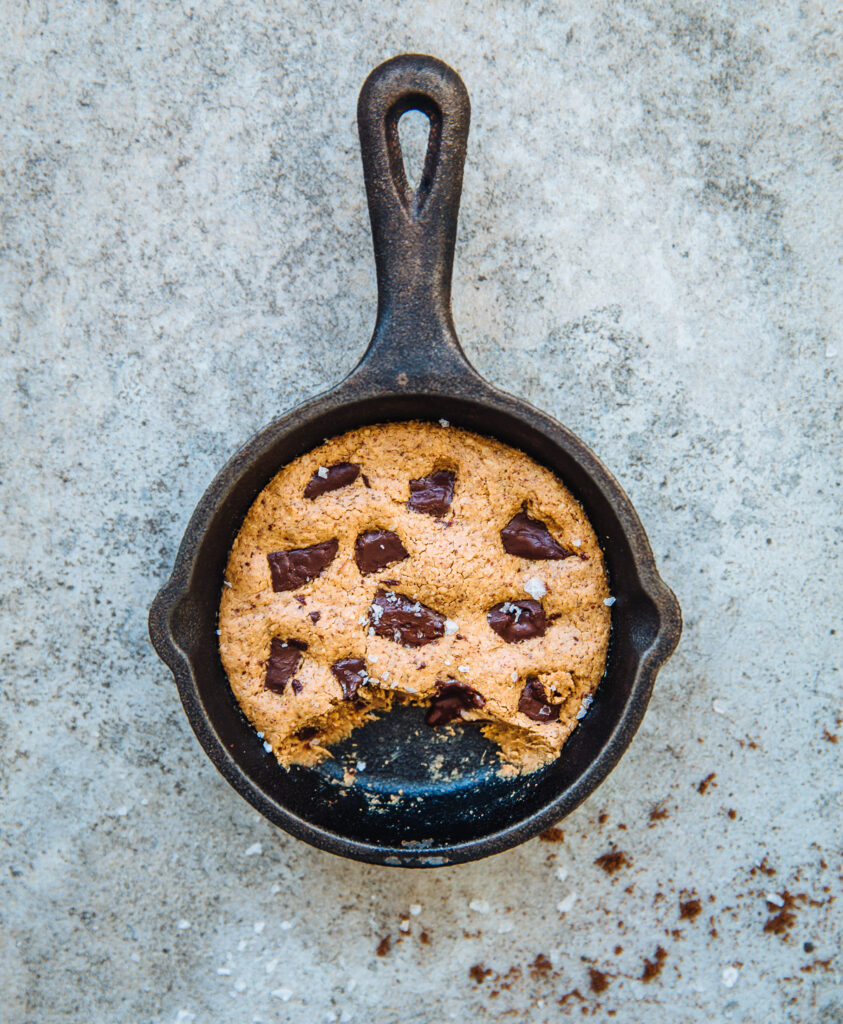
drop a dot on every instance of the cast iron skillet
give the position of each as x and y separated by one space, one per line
397 811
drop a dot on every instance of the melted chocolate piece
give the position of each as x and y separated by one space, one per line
340 475
405 621
376 549
284 658
451 699
315 617
432 494
297 686
307 733
530 538
534 703
292 569
351 674
517 620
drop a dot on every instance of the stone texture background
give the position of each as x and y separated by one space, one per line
650 250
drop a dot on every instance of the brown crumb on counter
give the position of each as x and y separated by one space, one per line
552 835
653 968
613 861
706 782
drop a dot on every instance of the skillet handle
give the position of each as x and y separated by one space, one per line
413 229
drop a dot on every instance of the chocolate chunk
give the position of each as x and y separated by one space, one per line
297 686
530 538
451 699
405 621
292 569
517 620
331 479
284 658
534 703
315 617
351 674
301 599
432 494
307 733
376 549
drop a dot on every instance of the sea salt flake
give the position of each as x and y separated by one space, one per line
282 993
226 583
463 668
481 906
451 627
415 909
444 423
514 677
373 658
577 543
224 971
535 588
259 927
561 874
260 735
267 747
361 766
563 906
404 925
322 472
219 632
183 925
719 707
775 899
609 601
505 926
730 976
255 850
286 926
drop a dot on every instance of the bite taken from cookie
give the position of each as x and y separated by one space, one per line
415 563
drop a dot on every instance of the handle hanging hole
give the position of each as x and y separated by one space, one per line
413 137
414 157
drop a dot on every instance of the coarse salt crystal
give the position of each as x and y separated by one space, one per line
267 747
282 993
255 850
259 927
444 423
514 677
451 627
361 766
775 899
577 543
226 583
323 472
404 924
719 707
183 925
535 588
463 668
561 874
224 971
563 906
260 735
481 906
609 601
730 976
373 658
219 632
415 909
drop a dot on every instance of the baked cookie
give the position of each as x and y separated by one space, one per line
418 563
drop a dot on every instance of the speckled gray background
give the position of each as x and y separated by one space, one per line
650 250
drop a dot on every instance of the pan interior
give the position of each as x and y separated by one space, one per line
413 787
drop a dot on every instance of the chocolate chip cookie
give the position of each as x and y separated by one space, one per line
415 563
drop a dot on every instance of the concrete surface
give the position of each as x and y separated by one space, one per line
650 250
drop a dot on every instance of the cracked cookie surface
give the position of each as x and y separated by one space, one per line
378 568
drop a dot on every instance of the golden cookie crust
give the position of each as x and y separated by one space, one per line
456 565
